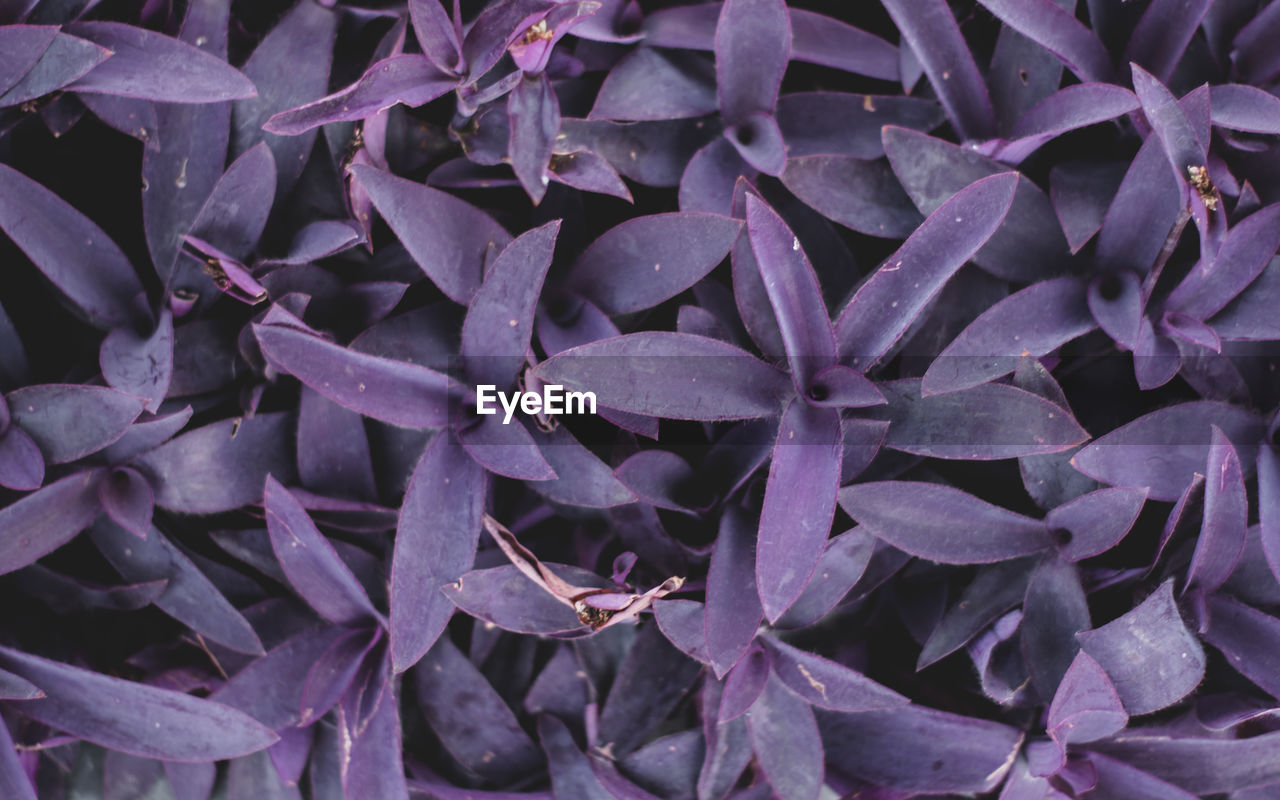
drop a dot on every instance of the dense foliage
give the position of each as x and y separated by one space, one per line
934 346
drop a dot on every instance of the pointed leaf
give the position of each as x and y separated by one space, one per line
506 597
127 498
236 212
161 723
743 684
1245 252
670 375
1058 31
533 113
941 523
66 59
825 683
1200 766
1086 706
653 84
499 322
450 246
733 610
72 252
785 738
860 194
1160 38
392 391
843 562
1181 145
570 771
1076 106
21 462
752 46
1226 518
799 501
1095 522
890 300
994 590
647 260
652 679
435 543
22 46
1163 449
44 520
1148 654
1054 610
141 366
1034 321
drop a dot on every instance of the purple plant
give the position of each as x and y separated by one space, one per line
925 367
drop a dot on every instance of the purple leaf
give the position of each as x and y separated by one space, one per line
138 365
393 391
941 523
473 723
1160 38
652 679
994 590
1248 638
72 252
843 562
1226 518
310 562
1076 106
147 435
650 84
189 596
582 478
728 747
1116 301
235 214
1156 357
733 610
1057 30
1148 654
509 599
1239 107
534 117
333 672
270 688
1034 321
221 466
838 386
1028 246
1182 146
752 46
1086 706
291 67
499 322
373 764
410 79
1248 316
21 462
1055 609
1141 214
799 501
66 59
794 294
435 543
1200 766
333 450
671 375
647 260
127 498
191 780
506 449
496 28
785 739
449 248
1245 252
890 300
744 684
837 123
861 195
155 67
933 35
570 771
588 172
14 780
1081 192
986 422
44 520
659 478
707 183
682 622
819 39
130 116
161 723
22 46
889 748
436 33
825 683
1163 449
1095 522
1269 506
1119 781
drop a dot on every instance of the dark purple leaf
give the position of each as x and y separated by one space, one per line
155 67
752 46
1074 107
859 194
21 462
1250 639
843 562
994 590
571 773
450 247
1239 107
671 375
1058 31
1161 37
890 300
393 391
785 738
436 33
72 252
1163 449
14 780
744 683
46 519
650 84
506 449
333 450
1201 766
1269 506
733 610
651 680
190 780
1055 609
130 116
436 542
917 749
1245 252
1168 121
582 479
941 523
1119 781
160 723
728 747
1086 706
1148 654
799 501
1095 522
682 622
985 422
1141 214
499 322
830 42
509 599
646 260
534 116
933 35
140 365
1226 517
1081 192
22 46
66 59
1028 246
473 723
127 498
825 683
836 123
1035 321
589 172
